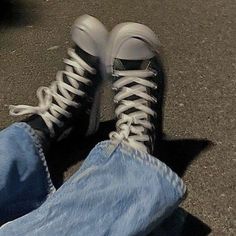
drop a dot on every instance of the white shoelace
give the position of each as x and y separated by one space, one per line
131 127
50 111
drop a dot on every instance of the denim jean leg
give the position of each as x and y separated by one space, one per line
24 178
117 191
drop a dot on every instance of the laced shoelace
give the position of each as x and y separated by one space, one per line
131 127
49 110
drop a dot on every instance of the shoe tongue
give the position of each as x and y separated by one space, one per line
89 59
127 64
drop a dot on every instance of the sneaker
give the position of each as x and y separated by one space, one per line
72 100
133 60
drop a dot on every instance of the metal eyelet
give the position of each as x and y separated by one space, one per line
115 75
156 87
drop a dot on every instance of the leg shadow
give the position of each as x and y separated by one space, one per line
73 150
181 223
179 153
195 227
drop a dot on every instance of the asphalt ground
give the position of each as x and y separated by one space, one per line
199 40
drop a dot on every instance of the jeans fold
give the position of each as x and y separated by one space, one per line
118 191
25 181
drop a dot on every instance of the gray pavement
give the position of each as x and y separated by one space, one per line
199 39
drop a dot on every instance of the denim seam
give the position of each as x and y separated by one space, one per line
102 146
163 169
147 159
37 144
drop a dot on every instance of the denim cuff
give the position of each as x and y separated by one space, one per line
117 191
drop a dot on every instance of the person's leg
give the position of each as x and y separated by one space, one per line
117 191
71 101
121 189
24 178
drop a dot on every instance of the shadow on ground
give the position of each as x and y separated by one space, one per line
181 223
16 13
178 154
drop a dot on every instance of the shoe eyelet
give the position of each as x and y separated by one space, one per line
115 75
155 73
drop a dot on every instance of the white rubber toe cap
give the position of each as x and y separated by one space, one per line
133 41
89 34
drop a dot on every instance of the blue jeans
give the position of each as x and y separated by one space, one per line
118 190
